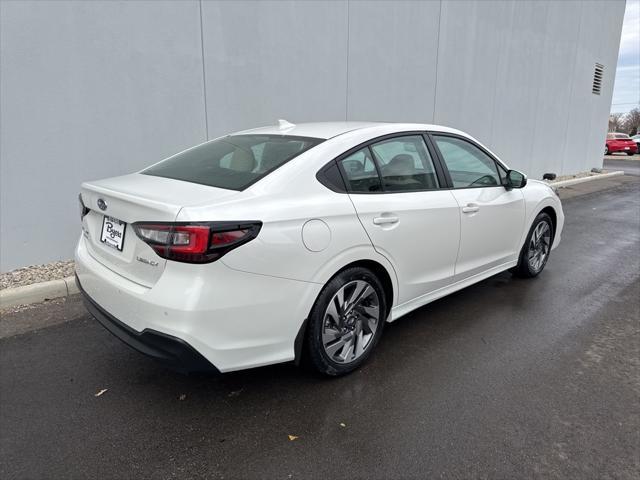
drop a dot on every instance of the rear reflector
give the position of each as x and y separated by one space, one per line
200 242
83 209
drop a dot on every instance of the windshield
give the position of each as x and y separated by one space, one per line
232 162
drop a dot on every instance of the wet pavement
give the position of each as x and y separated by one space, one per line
508 378
629 165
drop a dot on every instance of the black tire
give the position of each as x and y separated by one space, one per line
315 352
630 154
524 269
606 150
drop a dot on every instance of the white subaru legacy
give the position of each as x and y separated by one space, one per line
302 241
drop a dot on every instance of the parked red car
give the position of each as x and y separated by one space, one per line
620 142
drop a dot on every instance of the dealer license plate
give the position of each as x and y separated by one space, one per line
113 232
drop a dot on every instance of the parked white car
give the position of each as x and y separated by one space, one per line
294 241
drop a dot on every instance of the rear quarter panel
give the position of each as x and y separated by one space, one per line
280 250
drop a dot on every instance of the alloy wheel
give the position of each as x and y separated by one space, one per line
539 246
350 321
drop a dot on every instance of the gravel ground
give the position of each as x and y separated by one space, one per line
35 274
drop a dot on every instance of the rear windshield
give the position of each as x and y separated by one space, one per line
617 136
232 162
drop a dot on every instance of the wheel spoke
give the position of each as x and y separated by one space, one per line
368 325
332 311
347 350
339 300
361 290
369 311
332 348
359 344
330 334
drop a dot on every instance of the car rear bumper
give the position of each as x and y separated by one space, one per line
232 319
623 148
172 351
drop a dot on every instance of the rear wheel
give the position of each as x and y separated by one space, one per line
346 322
630 154
606 150
536 248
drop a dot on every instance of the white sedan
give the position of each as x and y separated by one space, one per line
302 241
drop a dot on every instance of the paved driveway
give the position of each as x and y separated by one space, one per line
507 379
629 165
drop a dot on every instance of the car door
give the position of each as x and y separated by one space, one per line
395 187
491 216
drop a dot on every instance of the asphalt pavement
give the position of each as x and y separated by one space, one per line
629 165
509 378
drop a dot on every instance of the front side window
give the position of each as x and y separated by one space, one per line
233 162
468 165
405 164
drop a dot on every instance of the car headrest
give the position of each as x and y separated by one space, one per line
401 164
353 166
242 160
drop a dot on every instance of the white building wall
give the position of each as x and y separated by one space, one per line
102 88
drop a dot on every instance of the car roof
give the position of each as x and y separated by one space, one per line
326 130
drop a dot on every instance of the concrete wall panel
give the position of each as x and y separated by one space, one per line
268 60
393 49
472 38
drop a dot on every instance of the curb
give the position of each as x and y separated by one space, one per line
575 181
38 292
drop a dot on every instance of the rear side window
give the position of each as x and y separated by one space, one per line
405 164
468 165
232 162
361 173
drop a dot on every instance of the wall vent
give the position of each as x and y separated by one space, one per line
597 79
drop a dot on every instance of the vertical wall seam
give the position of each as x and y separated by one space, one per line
346 92
204 74
435 86
573 82
536 106
501 53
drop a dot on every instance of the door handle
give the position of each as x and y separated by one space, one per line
385 220
470 208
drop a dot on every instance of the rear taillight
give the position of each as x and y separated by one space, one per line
198 242
83 209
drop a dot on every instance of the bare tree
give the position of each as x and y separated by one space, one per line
631 122
615 122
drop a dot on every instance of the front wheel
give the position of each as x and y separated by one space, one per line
630 154
536 248
346 322
606 150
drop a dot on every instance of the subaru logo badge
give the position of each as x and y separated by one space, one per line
102 205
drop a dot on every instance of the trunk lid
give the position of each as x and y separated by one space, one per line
135 198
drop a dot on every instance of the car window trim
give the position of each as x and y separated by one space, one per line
498 163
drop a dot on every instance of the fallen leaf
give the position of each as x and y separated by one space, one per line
342 425
101 392
235 393
292 438
182 397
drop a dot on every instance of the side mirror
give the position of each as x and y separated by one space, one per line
516 179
